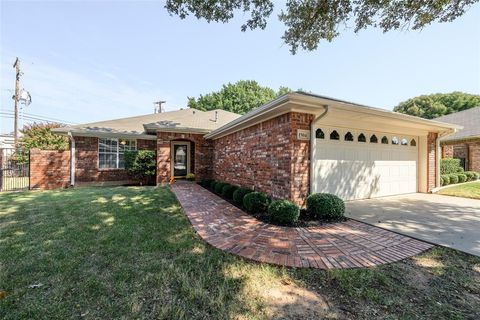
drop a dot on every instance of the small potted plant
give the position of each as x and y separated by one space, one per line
190 177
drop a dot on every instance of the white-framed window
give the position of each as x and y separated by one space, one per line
111 151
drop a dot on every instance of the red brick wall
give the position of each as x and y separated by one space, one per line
474 155
201 156
447 151
267 157
49 169
431 160
468 149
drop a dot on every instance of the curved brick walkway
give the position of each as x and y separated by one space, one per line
348 244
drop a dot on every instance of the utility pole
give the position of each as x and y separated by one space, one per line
16 65
159 104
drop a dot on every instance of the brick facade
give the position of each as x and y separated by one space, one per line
201 155
267 157
431 161
468 150
49 169
447 152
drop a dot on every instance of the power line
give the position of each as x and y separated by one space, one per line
37 117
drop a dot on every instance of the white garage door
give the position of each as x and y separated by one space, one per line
355 164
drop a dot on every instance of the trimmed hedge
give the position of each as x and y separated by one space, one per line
239 194
472 175
219 186
453 178
256 202
461 177
283 212
449 165
325 206
206 183
228 190
212 185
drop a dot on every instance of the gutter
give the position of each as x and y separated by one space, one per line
72 159
313 146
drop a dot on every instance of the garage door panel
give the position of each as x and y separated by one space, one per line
356 170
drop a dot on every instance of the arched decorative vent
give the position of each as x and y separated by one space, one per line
413 143
404 142
385 140
348 136
394 140
362 138
319 134
373 139
334 135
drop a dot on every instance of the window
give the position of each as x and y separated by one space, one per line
319 134
404 142
362 138
348 136
385 140
373 139
413 143
394 140
334 135
111 151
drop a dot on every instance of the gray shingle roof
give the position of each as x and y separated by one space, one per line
185 120
469 119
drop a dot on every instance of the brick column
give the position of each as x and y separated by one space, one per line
474 156
431 161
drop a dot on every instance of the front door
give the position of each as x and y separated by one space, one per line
180 158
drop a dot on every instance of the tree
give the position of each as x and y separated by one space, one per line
40 135
437 105
239 97
141 164
309 22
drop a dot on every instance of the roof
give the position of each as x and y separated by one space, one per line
184 120
314 103
469 119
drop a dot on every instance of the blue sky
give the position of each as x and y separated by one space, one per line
96 60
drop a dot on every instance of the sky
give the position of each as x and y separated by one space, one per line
86 61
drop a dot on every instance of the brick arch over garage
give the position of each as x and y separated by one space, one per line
201 158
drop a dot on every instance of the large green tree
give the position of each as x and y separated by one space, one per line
40 135
310 21
435 105
239 97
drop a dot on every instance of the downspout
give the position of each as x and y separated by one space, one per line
72 159
313 144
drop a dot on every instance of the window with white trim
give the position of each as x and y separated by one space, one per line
111 151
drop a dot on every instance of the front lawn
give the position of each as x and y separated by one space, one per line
466 190
130 252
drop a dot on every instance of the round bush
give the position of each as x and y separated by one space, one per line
218 187
476 175
325 206
442 180
470 175
461 177
453 178
206 183
256 202
460 170
446 179
212 185
283 212
228 190
239 194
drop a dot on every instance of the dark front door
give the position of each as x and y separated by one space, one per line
180 160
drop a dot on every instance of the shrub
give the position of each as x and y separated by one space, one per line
449 165
461 177
218 187
453 178
256 202
444 179
470 175
239 194
228 190
212 185
325 206
283 212
205 183
141 164
460 170
477 175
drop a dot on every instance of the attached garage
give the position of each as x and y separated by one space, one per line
359 164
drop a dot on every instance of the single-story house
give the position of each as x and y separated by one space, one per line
297 144
464 144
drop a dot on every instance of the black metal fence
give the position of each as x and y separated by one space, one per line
14 169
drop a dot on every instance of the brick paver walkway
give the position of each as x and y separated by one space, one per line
346 244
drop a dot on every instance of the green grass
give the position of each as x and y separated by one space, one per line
466 190
130 252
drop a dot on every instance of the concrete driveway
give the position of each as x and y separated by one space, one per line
449 221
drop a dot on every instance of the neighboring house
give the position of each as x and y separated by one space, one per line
357 151
6 141
464 144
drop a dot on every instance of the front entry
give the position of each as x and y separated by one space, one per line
180 158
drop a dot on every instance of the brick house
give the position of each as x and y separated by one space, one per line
464 144
294 145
